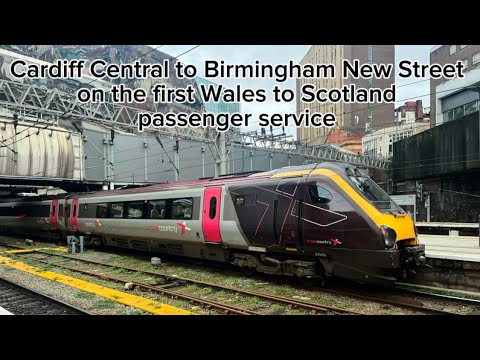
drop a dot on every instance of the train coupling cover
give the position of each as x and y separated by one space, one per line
415 255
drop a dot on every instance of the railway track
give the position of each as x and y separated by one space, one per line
169 281
208 304
290 303
20 300
433 293
390 299
173 281
382 299
176 281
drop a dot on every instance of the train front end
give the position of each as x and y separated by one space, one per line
355 230
399 253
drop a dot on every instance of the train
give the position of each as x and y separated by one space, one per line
318 221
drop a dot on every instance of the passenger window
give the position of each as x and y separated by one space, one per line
74 210
157 209
135 210
182 208
240 200
117 211
318 194
213 208
101 211
85 213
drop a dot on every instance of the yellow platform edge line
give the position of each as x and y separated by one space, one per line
19 251
135 301
56 248
26 251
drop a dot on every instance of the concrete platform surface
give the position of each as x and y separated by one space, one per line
464 248
450 225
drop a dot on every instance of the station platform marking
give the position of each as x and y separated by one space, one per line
27 251
447 225
135 301
4 312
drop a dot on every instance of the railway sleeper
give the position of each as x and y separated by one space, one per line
268 265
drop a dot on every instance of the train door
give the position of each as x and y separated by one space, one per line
74 214
54 214
300 211
288 215
211 215
319 218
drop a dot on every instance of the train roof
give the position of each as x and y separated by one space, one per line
27 199
339 168
220 180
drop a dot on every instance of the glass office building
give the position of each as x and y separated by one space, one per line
220 107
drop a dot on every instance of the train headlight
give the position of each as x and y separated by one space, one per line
389 235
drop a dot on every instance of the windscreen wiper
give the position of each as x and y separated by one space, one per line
355 176
398 213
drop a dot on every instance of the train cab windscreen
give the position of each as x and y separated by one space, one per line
375 194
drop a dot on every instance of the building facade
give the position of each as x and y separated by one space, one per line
445 160
410 119
215 107
352 118
409 113
380 142
452 99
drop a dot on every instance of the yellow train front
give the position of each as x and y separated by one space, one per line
393 249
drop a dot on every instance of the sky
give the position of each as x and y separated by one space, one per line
281 54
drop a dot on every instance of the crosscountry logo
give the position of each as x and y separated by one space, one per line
335 242
184 227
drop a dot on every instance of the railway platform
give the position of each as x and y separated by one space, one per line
4 312
454 262
462 248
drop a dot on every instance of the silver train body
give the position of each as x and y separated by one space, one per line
319 220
